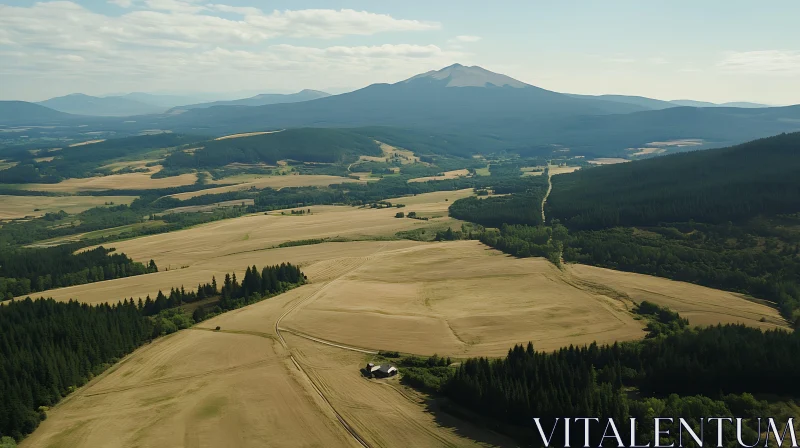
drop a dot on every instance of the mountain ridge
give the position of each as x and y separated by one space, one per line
263 99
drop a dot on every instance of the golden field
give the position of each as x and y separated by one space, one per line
446 175
246 182
13 207
128 181
284 372
234 244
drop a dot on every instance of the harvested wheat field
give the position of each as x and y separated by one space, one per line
554 170
310 180
460 299
129 181
384 412
12 207
446 175
191 389
88 142
246 134
701 305
403 156
224 246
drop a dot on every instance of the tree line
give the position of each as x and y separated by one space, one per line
712 186
305 144
24 271
678 372
49 348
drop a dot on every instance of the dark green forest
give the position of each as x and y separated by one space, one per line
49 348
674 372
85 160
30 270
495 211
305 145
712 186
725 218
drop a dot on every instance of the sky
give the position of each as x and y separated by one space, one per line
707 50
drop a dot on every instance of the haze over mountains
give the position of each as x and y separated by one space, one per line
112 106
258 100
489 110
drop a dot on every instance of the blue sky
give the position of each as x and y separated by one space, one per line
705 50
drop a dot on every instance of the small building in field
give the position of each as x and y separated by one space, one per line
382 371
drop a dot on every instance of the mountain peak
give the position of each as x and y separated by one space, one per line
458 75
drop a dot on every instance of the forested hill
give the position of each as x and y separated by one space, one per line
713 186
304 144
83 160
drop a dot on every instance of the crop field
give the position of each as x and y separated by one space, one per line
4 165
13 207
261 182
133 164
460 299
608 161
554 170
209 207
246 134
240 387
390 153
285 371
88 142
135 181
194 255
701 305
195 388
446 175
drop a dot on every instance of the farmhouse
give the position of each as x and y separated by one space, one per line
382 371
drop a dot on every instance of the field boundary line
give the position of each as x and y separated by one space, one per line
330 343
350 430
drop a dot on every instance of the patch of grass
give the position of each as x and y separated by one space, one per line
211 407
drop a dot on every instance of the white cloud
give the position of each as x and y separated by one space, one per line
764 62
180 41
658 61
70 58
464 39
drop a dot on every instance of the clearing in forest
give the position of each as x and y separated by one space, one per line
444 176
246 134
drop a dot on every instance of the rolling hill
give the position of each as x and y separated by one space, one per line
304 144
258 100
496 110
713 186
23 112
454 97
159 100
647 103
112 106
742 104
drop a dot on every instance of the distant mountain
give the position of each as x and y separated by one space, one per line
645 102
458 75
159 100
112 106
692 103
258 100
23 112
452 98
